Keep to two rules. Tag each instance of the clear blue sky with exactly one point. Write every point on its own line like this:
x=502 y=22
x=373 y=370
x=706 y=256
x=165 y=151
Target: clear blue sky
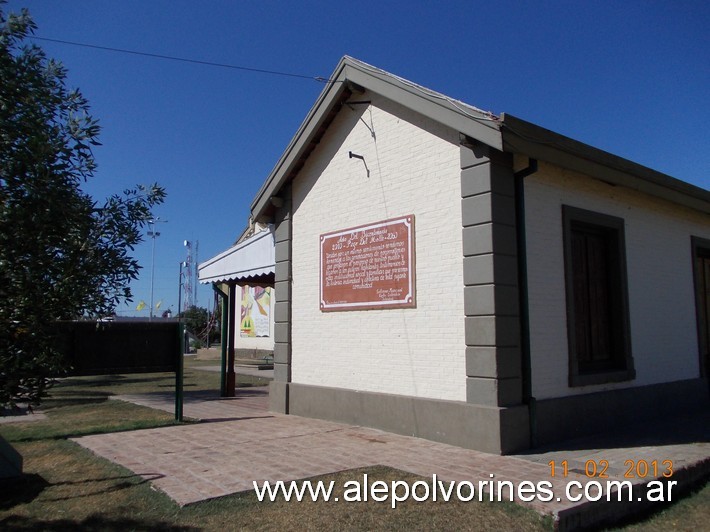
x=630 y=77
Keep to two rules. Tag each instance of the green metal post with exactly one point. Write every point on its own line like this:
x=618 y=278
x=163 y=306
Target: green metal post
x=223 y=349
x=179 y=372
x=231 y=376
x=223 y=344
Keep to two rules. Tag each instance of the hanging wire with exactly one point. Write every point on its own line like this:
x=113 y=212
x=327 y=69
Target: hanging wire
x=184 y=60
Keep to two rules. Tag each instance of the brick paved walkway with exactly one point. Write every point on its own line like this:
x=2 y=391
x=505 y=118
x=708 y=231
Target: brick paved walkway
x=239 y=441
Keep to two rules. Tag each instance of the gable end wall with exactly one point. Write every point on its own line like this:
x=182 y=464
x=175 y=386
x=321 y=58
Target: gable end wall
x=414 y=169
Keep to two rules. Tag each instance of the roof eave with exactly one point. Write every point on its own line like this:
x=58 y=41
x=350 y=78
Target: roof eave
x=507 y=133
x=484 y=128
x=327 y=100
x=520 y=136
x=351 y=75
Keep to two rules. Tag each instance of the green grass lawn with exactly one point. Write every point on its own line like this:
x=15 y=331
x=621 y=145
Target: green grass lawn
x=66 y=487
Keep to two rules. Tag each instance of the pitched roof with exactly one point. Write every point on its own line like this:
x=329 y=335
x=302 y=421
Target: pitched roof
x=505 y=133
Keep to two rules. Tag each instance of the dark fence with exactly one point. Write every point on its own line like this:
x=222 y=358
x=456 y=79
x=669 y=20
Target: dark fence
x=105 y=348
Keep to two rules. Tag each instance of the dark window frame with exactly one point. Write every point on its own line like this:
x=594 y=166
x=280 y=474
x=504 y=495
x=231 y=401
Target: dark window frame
x=621 y=368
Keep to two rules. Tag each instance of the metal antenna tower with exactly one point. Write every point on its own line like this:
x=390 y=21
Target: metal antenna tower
x=187 y=279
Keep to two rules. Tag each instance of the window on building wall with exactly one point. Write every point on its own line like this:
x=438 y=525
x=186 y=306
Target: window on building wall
x=597 y=298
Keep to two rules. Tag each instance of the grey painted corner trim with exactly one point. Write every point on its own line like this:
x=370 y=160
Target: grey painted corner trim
x=489 y=238
x=282 y=304
x=492 y=362
x=490 y=268
x=491 y=300
x=282 y=372
x=282 y=251
x=494 y=391
x=520 y=136
x=278 y=397
x=488 y=207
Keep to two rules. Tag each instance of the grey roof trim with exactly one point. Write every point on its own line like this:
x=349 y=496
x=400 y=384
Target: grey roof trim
x=520 y=136
x=327 y=99
x=507 y=133
x=457 y=115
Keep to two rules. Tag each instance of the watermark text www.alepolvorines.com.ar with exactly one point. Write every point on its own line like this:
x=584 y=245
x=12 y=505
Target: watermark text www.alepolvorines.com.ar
x=397 y=491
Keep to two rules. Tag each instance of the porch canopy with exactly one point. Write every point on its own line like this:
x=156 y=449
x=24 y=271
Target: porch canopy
x=251 y=259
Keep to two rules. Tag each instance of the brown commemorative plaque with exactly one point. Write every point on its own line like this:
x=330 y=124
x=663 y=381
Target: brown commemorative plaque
x=369 y=267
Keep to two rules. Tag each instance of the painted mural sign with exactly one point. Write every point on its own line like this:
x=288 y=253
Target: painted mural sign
x=256 y=309
x=369 y=266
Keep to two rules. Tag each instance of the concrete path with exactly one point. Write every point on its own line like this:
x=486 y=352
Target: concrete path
x=239 y=441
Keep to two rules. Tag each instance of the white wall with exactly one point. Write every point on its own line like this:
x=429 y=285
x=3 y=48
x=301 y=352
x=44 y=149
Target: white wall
x=660 y=279
x=418 y=352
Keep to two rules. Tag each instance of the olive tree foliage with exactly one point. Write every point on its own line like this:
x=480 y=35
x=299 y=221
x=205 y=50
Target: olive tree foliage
x=62 y=255
x=196 y=320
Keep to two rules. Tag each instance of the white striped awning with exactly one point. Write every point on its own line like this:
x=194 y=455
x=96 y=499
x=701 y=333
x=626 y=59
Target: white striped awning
x=250 y=258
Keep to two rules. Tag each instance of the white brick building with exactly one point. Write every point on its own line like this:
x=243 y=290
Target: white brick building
x=558 y=290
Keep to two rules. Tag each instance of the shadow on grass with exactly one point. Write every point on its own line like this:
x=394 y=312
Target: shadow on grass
x=205 y=395
x=26 y=488
x=127 y=481
x=60 y=393
x=111 y=380
x=172 y=385
x=96 y=522
x=20 y=490
x=60 y=402
x=103 y=429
